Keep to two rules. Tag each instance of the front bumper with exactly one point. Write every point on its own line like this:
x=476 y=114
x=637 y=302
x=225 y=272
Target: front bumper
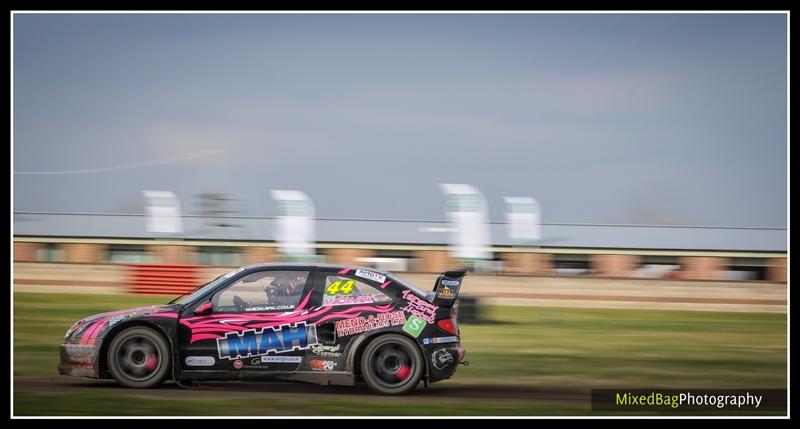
x=79 y=360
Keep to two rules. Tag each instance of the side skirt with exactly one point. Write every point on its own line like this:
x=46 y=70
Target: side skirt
x=321 y=378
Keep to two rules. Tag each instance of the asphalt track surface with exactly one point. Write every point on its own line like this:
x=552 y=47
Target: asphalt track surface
x=437 y=390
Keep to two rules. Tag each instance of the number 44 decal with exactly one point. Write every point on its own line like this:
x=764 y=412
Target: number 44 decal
x=339 y=287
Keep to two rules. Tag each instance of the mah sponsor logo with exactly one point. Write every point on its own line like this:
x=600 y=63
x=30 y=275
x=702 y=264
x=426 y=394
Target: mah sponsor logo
x=254 y=342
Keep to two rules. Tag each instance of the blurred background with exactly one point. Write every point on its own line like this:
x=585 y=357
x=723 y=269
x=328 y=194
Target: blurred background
x=594 y=172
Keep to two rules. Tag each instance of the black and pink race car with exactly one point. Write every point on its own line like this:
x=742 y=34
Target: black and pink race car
x=317 y=323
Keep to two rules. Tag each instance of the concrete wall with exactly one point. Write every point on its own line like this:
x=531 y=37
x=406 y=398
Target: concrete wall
x=614 y=265
x=85 y=252
x=593 y=292
x=776 y=271
x=347 y=256
x=174 y=254
x=703 y=268
x=69 y=278
x=257 y=255
x=432 y=261
x=423 y=261
x=527 y=263
x=26 y=251
x=504 y=290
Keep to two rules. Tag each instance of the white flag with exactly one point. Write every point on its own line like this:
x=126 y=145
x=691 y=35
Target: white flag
x=467 y=214
x=163 y=211
x=523 y=218
x=294 y=225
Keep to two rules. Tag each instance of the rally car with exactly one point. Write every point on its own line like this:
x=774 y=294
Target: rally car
x=320 y=323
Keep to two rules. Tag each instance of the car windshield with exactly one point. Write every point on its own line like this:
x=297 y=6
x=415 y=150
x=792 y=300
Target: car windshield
x=202 y=289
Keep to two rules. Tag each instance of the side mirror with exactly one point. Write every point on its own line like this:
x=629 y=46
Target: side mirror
x=204 y=308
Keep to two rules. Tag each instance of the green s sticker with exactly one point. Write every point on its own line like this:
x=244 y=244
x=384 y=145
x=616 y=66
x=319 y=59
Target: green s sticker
x=414 y=325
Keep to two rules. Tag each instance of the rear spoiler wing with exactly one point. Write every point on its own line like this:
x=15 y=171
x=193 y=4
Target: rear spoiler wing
x=447 y=286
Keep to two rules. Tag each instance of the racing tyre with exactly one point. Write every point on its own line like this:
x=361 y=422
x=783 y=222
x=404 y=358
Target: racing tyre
x=392 y=365
x=139 y=357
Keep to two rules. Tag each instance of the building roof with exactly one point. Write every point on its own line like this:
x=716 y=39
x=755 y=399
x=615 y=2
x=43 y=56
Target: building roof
x=384 y=231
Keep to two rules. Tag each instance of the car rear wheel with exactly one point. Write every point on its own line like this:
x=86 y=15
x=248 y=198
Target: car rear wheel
x=139 y=357
x=392 y=365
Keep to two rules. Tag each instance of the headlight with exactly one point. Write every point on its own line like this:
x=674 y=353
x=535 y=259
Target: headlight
x=73 y=328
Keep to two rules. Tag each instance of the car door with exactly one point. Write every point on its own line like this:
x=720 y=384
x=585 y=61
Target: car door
x=256 y=323
x=349 y=306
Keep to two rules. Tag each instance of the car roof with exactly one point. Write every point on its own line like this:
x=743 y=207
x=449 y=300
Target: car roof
x=332 y=267
x=310 y=265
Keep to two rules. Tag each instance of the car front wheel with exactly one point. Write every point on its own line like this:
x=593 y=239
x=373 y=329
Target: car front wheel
x=392 y=365
x=139 y=357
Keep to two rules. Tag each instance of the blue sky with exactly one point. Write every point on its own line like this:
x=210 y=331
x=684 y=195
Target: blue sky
x=603 y=118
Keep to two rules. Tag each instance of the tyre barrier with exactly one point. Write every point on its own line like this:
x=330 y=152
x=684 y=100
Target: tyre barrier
x=163 y=279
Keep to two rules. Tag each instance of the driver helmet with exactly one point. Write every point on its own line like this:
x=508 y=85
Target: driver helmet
x=289 y=283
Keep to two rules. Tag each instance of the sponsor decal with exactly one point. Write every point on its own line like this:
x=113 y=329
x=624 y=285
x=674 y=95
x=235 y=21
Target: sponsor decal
x=211 y=327
x=270 y=308
x=133 y=315
x=375 y=277
x=448 y=288
x=322 y=365
x=234 y=272
x=136 y=314
x=414 y=326
x=113 y=320
x=419 y=307
x=347 y=300
x=200 y=361
x=439 y=340
x=441 y=358
x=361 y=324
x=87 y=331
x=238 y=364
x=327 y=351
x=446 y=292
x=255 y=361
x=255 y=342
x=281 y=359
